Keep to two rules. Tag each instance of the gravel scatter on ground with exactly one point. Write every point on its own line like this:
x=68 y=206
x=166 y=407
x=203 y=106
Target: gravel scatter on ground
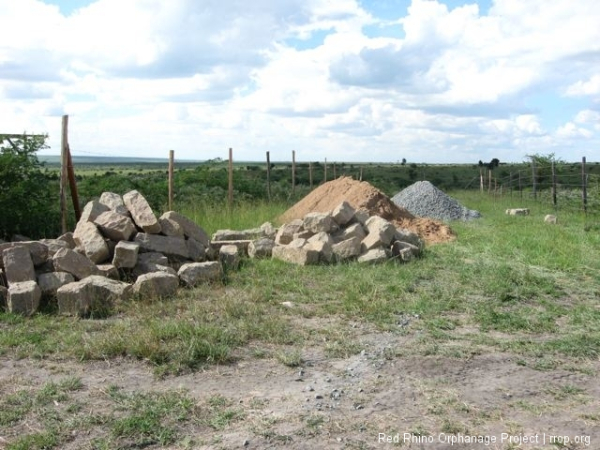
x=423 y=199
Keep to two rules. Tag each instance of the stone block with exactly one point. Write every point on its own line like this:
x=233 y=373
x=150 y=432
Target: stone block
x=94 y=295
x=229 y=256
x=68 y=238
x=361 y=216
x=92 y=210
x=297 y=243
x=167 y=245
x=261 y=248
x=88 y=237
x=108 y=271
x=114 y=202
x=353 y=230
x=295 y=255
x=317 y=222
x=190 y=229
x=156 y=284
x=374 y=256
x=343 y=213
x=53 y=245
x=323 y=248
x=404 y=251
x=37 y=250
x=303 y=234
x=115 y=226
x=350 y=248
x=550 y=218
x=50 y=282
x=518 y=212
x=3 y=298
x=24 y=298
x=385 y=229
x=18 y=265
x=192 y=274
x=410 y=237
x=76 y=264
x=141 y=212
x=197 y=251
x=169 y=227
x=286 y=232
x=126 y=254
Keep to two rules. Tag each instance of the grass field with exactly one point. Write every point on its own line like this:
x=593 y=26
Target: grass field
x=508 y=286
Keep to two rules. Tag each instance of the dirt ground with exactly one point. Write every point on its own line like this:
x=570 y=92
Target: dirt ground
x=359 y=402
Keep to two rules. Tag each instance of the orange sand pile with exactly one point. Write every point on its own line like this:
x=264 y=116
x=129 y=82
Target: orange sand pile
x=362 y=195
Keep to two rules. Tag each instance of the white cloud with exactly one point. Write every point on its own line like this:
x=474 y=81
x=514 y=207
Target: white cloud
x=590 y=87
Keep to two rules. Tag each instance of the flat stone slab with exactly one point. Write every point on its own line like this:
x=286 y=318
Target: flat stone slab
x=76 y=264
x=190 y=228
x=261 y=248
x=518 y=212
x=192 y=274
x=156 y=284
x=296 y=255
x=37 y=250
x=24 y=298
x=167 y=245
x=92 y=295
x=50 y=282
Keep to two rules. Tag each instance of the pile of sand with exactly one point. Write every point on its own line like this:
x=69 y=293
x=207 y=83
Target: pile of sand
x=362 y=195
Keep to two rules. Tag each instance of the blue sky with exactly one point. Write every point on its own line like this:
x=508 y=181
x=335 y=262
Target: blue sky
x=437 y=81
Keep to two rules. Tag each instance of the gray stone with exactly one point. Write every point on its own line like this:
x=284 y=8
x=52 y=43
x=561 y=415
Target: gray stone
x=115 y=226
x=167 y=245
x=68 y=238
x=361 y=216
x=286 y=232
x=93 y=295
x=321 y=237
x=268 y=230
x=354 y=230
x=192 y=274
x=297 y=243
x=295 y=255
x=382 y=227
x=197 y=251
x=324 y=248
x=141 y=213
x=374 y=256
x=229 y=256
x=88 y=237
x=343 y=213
x=410 y=237
x=126 y=254
x=303 y=234
x=114 y=202
x=156 y=284
x=190 y=229
x=317 y=222
x=153 y=257
x=3 y=298
x=215 y=246
x=92 y=210
x=70 y=261
x=24 y=298
x=550 y=218
x=108 y=271
x=54 y=245
x=50 y=282
x=148 y=266
x=261 y=248
x=371 y=241
x=169 y=227
x=350 y=248
x=37 y=250
x=405 y=251
x=518 y=212
x=18 y=265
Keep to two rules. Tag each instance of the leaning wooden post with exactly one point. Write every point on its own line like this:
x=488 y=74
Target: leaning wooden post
x=293 y=171
x=73 y=185
x=64 y=162
x=269 y=175
x=325 y=171
x=171 y=164
x=481 y=180
x=310 y=178
x=230 y=197
x=489 y=180
x=553 y=185
x=583 y=186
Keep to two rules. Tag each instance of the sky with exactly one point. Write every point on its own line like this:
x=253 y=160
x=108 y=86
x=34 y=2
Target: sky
x=433 y=81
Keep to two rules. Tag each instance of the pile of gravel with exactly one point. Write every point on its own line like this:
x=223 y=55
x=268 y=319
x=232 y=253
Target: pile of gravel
x=423 y=199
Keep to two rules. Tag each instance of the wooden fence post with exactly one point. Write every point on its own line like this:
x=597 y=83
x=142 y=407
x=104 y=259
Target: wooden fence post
x=520 y=186
x=533 y=179
x=553 y=185
x=481 y=180
x=269 y=176
x=583 y=186
x=293 y=171
x=230 y=197
x=310 y=178
x=334 y=174
x=171 y=164
x=325 y=171
x=73 y=185
x=64 y=162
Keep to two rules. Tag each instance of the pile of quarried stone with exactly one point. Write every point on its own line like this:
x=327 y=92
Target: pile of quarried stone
x=119 y=248
x=339 y=235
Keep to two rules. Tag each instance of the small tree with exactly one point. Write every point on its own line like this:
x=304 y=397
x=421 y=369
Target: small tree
x=27 y=202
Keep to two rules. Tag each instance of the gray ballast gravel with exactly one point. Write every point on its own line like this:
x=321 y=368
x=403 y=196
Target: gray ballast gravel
x=423 y=199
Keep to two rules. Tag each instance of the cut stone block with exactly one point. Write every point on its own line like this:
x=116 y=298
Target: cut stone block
x=261 y=248
x=24 y=298
x=76 y=264
x=68 y=238
x=550 y=218
x=215 y=246
x=156 y=284
x=295 y=255
x=37 y=250
x=371 y=241
x=190 y=229
x=88 y=237
x=115 y=226
x=108 y=271
x=141 y=212
x=343 y=213
x=286 y=232
x=167 y=245
x=321 y=237
x=297 y=243
x=404 y=251
x=317 y=222
x=92 y=210
x=304 y=234
x=518 y=212
x=193 y=274
x=126 y=254
x=361 y=216
x=169 y=227
x=374 y=256
x=350 y=248
x=410 y=237
x=382 y=227
x=354 y=230
x=50 y=282
x=197 y=251
x=324 y=249
x=229 y=256
x=93 y=295
x=18 y=265
x=114 y=202
x=54 y=245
